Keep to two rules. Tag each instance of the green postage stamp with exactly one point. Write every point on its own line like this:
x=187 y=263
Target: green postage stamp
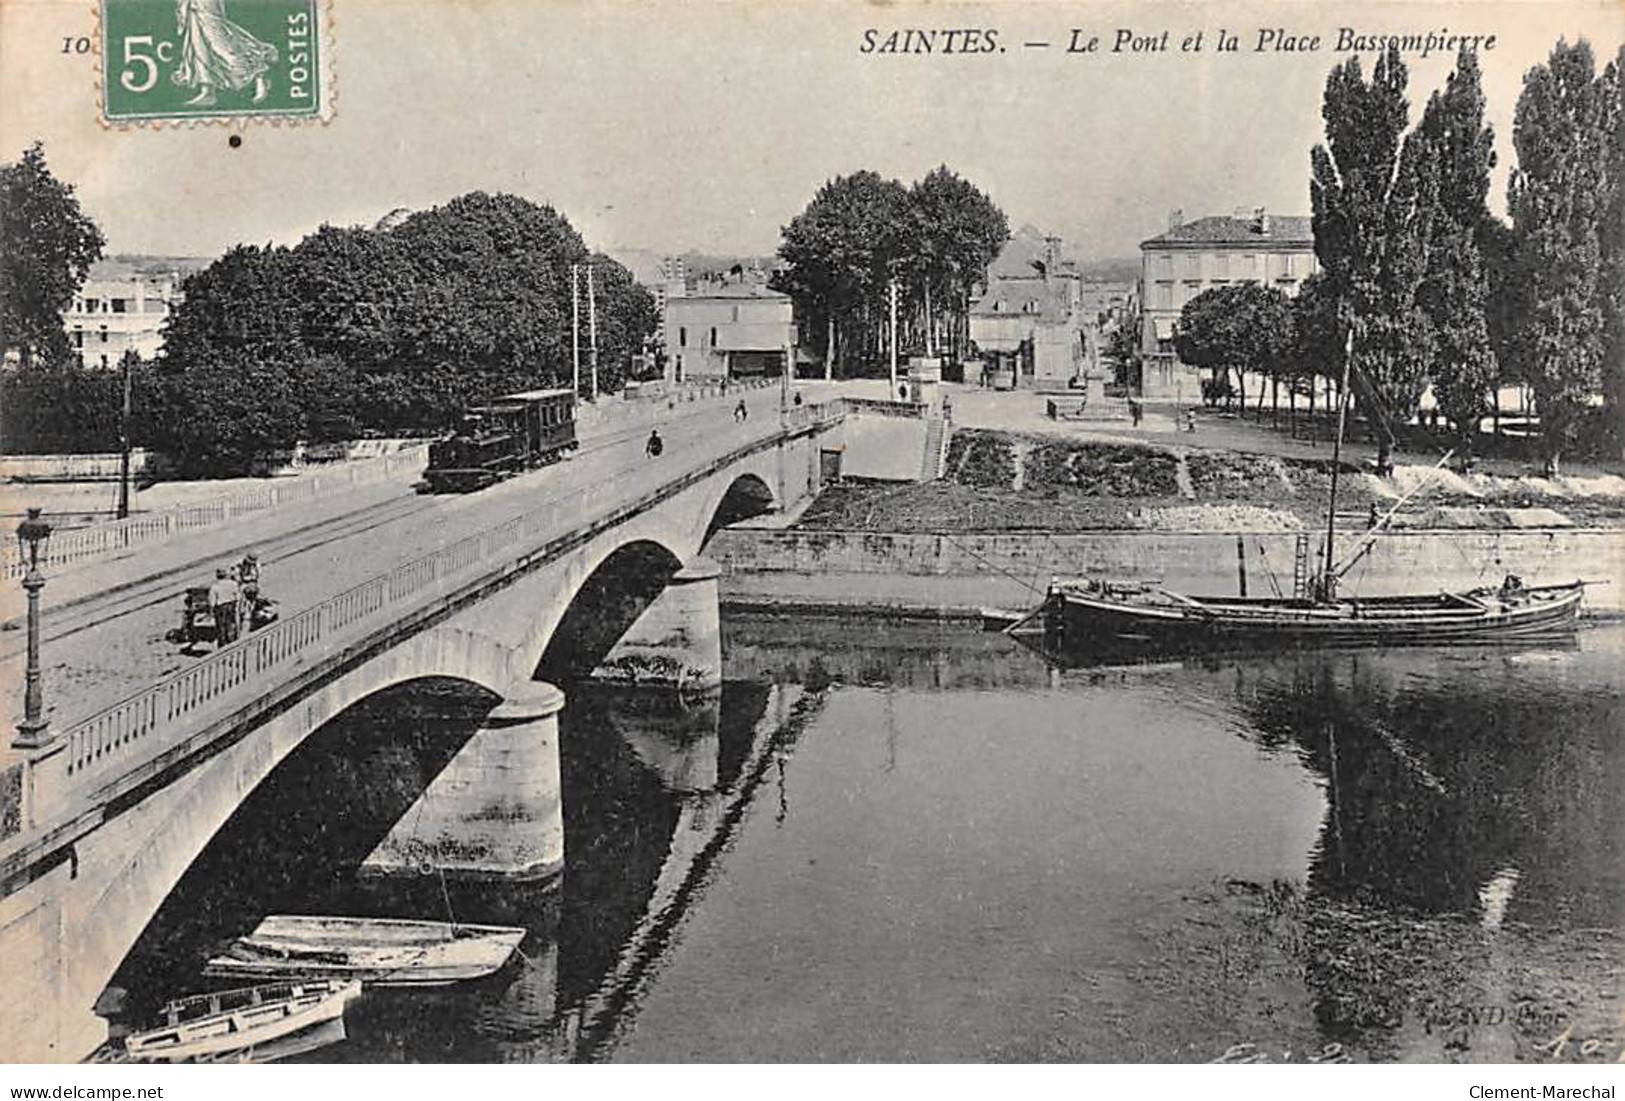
x=214 y=60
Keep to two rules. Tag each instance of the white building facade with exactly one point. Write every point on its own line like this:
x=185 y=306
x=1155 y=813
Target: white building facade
x=114 y=314
x=1191 y=257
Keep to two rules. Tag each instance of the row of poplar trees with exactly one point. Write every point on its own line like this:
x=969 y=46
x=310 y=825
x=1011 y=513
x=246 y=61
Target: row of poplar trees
x=1435 y=289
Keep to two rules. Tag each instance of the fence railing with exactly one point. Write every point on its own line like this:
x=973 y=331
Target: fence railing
x=127 y=729
x=79 y=544
x=884 y=408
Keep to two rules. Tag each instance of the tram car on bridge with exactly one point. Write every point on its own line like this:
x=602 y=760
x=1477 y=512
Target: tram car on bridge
x=514 y=433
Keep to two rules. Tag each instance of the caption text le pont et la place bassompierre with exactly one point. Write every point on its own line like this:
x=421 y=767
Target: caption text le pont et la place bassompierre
x=1128 y=41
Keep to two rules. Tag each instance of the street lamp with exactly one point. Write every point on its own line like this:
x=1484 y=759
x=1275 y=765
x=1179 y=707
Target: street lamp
x=32 y=535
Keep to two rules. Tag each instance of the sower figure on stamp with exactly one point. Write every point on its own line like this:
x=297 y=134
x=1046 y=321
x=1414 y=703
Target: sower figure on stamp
x=217 y=53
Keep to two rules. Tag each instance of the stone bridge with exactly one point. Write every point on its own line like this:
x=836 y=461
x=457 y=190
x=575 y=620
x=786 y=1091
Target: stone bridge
x=97 y=826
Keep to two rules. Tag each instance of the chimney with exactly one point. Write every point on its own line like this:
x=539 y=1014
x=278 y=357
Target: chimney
x=1176 y=218
x=1261 y=221
x=1052 y=256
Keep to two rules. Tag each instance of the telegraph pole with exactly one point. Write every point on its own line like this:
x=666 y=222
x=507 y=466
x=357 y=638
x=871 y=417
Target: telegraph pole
x=892 y=393
x=592 y=325
x=575 y=328
x=124 y=444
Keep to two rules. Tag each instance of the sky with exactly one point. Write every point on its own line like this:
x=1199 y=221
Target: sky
x=709 y=125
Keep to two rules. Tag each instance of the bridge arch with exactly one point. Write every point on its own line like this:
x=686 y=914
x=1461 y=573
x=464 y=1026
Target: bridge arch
x=140 y=864
x=617 y=584
x=744 y=495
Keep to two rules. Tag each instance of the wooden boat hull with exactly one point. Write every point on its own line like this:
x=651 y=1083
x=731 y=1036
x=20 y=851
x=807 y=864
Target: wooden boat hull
x=1099 y=617
x=231 y=1025
x=380 y=952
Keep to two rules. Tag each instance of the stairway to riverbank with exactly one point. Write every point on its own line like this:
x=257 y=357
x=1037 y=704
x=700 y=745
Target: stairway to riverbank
x=936 y=449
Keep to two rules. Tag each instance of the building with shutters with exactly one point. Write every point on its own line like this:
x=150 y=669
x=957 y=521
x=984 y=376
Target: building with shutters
x=1191 y=257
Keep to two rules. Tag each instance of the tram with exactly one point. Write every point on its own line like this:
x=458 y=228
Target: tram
x=514 y=433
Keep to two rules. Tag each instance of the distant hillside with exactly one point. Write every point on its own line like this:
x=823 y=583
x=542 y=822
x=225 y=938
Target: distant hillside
x=644 y=264
x=124 y=265
x=1116 y=269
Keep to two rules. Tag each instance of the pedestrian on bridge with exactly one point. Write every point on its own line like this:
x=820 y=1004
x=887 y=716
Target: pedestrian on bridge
x=654 y=447
x=223 y=601
x=248 y=578
x=740 y=412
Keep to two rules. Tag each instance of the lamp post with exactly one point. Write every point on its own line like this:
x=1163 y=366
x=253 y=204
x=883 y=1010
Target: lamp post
x=32 y=535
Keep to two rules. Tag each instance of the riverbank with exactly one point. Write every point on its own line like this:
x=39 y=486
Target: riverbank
x=1022 y=481
x=955 y=576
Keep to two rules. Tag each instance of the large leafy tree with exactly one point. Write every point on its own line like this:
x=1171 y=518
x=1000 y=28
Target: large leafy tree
x=47 y=244
x=394 y=329
x=1459 y=150
x=1374 y=197
x=1238 y=327
x=860 y=232
x=841 y=251
x=1557 y=196
x=956 y=233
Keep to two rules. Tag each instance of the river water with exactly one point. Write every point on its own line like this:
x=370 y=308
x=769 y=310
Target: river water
x=930 y=843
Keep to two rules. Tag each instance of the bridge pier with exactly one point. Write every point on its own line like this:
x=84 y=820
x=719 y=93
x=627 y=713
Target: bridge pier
x=677 y=641
x=496 y=811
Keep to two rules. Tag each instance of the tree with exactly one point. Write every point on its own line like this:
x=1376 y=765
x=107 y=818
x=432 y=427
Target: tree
x=1611 y=283
x=1557 y=199
x=1374 y=195
x=47 y=245
x=841 y=252
x=956 y=233
x=395 y=329
x=859 y=232
x=1237 y=327
x=1459 y=149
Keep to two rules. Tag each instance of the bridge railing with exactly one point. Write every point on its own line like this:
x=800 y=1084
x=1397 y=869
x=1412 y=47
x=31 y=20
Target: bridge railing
x=96 y=540
x=117 y=737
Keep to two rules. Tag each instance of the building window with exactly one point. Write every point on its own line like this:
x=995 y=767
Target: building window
x=78 y=337
x=1221 y=267
x=104 y=334
x=1192 y=266
x=104 y=362
x=1165 y=266
x=682 y=340
x=713 y=336
x=1165 y=296
x=90 y=305
x=120 y=305
x=1193 y=287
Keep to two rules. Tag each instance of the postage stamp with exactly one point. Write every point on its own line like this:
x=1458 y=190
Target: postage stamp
x=213 y=60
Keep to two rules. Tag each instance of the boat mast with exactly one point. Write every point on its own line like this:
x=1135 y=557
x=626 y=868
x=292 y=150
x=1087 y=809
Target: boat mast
x=1328 y=579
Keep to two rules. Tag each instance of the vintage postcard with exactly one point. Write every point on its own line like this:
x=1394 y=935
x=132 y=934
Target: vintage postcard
x=818 y=532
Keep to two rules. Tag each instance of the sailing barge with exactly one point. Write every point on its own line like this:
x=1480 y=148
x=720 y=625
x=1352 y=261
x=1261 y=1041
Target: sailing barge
x=1085 y=613
x=1094 y=613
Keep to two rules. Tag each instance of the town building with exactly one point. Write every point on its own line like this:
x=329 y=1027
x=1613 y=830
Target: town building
x=726 y=329
x=1028 y=324
x=120 y=308
x=1191 y=257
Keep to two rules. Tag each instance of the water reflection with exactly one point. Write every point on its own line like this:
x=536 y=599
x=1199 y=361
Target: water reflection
x=965 y=798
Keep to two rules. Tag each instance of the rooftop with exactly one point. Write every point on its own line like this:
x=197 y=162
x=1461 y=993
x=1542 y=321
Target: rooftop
x=732 y=290
x=1277 y=229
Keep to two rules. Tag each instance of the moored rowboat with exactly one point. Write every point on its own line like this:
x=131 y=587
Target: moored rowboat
x=380 y=951
x=220 y=1025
